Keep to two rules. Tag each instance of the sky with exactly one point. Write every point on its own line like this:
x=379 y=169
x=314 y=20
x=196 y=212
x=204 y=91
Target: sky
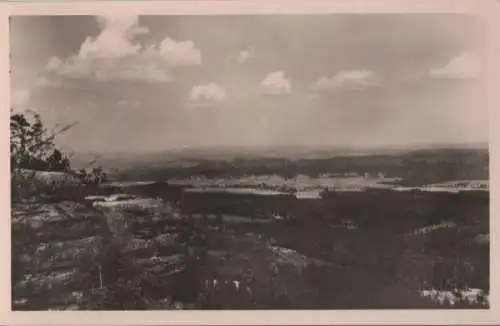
x=150 y=83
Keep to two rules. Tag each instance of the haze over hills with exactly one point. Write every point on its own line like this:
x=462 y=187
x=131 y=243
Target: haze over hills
x=184 y=155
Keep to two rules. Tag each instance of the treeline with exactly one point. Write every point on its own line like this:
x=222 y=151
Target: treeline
x=416 y=168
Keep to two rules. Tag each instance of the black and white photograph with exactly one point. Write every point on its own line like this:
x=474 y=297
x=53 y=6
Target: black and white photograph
x=335 y=161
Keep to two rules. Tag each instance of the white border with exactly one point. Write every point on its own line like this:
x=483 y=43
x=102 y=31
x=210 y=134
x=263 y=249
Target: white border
x=489 y=10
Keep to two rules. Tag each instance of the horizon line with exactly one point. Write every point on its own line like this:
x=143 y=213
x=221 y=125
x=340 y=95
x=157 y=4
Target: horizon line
x=416 y=146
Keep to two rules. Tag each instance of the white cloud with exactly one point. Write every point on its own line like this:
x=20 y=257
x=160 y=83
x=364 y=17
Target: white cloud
x=208 y=93
x=45 y=82
x=116 y=39
x=243 y=56
x=276 y=83
x=346 y=79
x=54 y=64
x=176 y=54
x=116 y=54
x=20 y=99
x=464 y=66
x=129 y=68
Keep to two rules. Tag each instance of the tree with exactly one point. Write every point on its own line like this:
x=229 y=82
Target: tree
x=98 y=175
x=32 y=146
x=56 y=162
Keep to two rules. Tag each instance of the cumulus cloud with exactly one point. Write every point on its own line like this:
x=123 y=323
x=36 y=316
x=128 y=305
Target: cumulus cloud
x=276 y=83
x=464 y=66
x=346 y=79
x=208 y=93
x=176 y=54
x=116 y=39
x=128 y=68
x=116 y=54
x=20 y=99
x=243 y=56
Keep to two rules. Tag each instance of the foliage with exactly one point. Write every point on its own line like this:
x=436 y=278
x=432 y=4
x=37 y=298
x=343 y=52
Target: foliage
x=32 y=149
x=95 y=175
x=32 y=145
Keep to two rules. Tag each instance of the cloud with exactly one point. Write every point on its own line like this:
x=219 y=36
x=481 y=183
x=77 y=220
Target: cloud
x=464 y=66
x=116 y=39
x=45 y=82
x=115 y=54
x=276 y=83
x=243 y=56
x=54 y=64
x=20 y=99
x=208 y=93
x=134 y=68
x=129 y=103
x=176 y=54
x=346 y=79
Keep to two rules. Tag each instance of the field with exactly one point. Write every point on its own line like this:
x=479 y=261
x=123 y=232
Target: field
x=222 y=240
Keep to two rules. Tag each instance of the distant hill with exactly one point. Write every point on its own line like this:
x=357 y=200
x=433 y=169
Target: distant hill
x=416 y=167
x=184 y=157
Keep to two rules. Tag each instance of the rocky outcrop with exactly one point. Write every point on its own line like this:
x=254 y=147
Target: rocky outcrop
x=143 y=254
x=65 y=253
x=48 y=177
x=54 y=245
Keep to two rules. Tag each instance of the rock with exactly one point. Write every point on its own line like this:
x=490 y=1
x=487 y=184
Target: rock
x=482 y=239
x=117 y=223
x=46 y=178
x=164 y=260
x=36 y=283
x=143 y=220
x=166 y=239
x=158 y=218
x=136 y=204
x=63 y=241
x=19 y=303
x=72 y=307
x=69 y=250
x=36 y=216
x=51 y=256
x=135 y=244
x=67 y=301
